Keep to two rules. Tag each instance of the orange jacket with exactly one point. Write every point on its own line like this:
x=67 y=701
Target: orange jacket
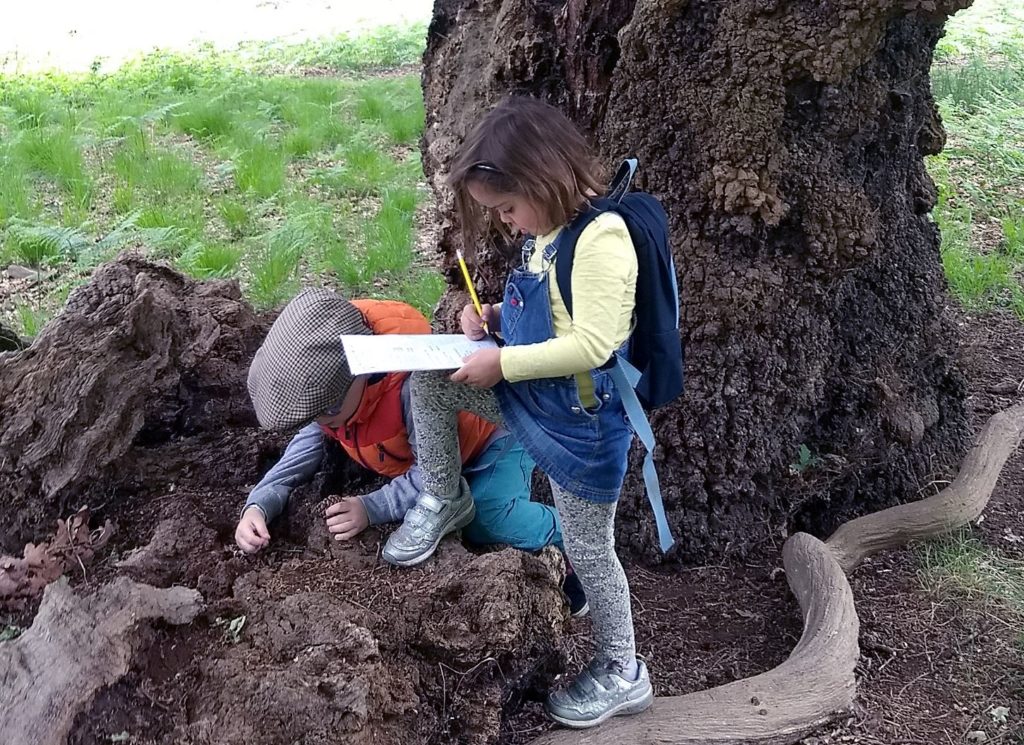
x=375 y=435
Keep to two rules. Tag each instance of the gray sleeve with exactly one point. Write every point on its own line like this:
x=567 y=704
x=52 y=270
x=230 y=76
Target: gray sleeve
x=298 y=465
x=390 y=503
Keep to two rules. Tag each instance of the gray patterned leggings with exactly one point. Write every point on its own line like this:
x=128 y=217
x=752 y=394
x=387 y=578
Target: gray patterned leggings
x=587 y=527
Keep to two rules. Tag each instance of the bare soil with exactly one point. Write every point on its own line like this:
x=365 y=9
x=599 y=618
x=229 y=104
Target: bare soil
x=316 y=642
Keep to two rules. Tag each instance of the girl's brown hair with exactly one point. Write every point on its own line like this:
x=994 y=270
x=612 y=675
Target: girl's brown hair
x=527 y=147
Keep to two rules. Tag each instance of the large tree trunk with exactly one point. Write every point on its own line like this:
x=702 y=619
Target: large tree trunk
x=786 y=141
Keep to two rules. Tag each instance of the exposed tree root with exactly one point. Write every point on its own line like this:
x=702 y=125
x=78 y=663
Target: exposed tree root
x=817 y=681
x=75 y=646
x=956 y=505
x=775 y=707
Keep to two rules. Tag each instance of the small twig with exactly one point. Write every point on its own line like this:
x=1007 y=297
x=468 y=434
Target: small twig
x=71 y=545
x=904 y=688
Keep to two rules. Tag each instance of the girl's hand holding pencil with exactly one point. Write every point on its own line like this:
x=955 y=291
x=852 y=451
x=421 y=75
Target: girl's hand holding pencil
x=481 y=369
x=476 y=325
x=486 y=320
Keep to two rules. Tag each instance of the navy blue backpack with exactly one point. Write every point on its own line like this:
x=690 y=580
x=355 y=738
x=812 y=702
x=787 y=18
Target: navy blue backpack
x=653 y=373
x=655 y=347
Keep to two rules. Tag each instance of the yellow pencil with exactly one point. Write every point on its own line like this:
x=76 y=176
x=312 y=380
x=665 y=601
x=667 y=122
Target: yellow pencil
x=472 y=290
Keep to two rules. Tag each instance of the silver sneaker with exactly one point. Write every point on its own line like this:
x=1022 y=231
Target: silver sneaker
x=598 y=694
x=425 y=524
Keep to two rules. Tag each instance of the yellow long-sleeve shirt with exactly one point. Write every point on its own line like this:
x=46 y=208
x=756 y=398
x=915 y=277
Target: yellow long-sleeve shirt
x=603 y=297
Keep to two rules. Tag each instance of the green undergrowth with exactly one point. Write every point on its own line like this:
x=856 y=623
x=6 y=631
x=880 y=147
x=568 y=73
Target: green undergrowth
x=277 y=164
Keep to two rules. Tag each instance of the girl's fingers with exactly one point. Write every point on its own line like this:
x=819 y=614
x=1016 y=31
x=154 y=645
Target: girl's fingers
x=340 y=526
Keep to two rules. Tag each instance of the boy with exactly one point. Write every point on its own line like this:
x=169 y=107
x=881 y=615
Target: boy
x=300 y=376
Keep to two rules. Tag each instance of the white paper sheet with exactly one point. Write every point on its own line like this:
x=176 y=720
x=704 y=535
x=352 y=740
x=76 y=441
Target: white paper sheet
x=395 y=352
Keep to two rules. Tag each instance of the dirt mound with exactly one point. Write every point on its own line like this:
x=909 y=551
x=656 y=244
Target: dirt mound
x=139 y=355
x=133 y=402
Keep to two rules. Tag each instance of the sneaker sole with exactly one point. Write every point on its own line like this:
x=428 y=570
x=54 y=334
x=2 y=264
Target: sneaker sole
x=581 y=612
x=624 y=709
x=459 y=525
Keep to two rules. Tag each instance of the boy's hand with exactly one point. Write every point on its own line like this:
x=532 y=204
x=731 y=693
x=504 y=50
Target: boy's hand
x=473 y=323
x=251 y=535
x=347 y=519
x=481 y=369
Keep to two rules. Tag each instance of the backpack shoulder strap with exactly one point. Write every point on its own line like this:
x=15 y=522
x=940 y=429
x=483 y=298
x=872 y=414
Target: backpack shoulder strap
x=625 y=377
x=623 y=179
x=566 y=248
x=617 y=189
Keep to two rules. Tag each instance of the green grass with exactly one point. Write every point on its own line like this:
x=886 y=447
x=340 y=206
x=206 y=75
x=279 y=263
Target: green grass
x=975 y=83
x=382 y=48
x=54 y=153
x=211 y=259
x=1013 y=235
x=394 y=106
x=15 y=193
x=964 y=565
x=228 y=164
x=989 y=27
x=364 y=168
x=389 y=234
x=422 y=290
x=237 y=217
x=978 y=82
x=204 y=118
x=30 y=320
x=178 y=225
x=163 y=175
x=259 y=170
x=274 y=267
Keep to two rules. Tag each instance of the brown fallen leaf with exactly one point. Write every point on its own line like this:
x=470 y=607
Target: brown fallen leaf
x=72 y=545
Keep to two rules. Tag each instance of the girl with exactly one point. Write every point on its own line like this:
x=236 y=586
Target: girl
x=526 y=169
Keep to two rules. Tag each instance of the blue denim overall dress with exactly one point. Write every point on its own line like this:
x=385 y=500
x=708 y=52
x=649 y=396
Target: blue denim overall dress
x=584 y=451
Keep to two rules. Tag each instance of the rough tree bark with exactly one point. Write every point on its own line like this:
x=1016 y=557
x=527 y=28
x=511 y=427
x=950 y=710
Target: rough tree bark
x=786 y=141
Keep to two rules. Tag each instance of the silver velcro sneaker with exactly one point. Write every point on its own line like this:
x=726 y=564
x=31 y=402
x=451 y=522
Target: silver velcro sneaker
x=425 y=524
x=598 y=694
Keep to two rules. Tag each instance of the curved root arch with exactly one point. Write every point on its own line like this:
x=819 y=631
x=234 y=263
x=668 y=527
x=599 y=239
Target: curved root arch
x=817 y=681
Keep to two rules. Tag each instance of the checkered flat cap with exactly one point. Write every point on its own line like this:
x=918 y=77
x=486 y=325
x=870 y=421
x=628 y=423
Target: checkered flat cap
x=301 y=370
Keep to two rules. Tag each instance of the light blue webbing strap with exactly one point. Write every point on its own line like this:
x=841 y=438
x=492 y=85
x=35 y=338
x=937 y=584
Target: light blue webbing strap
x=625 y=377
